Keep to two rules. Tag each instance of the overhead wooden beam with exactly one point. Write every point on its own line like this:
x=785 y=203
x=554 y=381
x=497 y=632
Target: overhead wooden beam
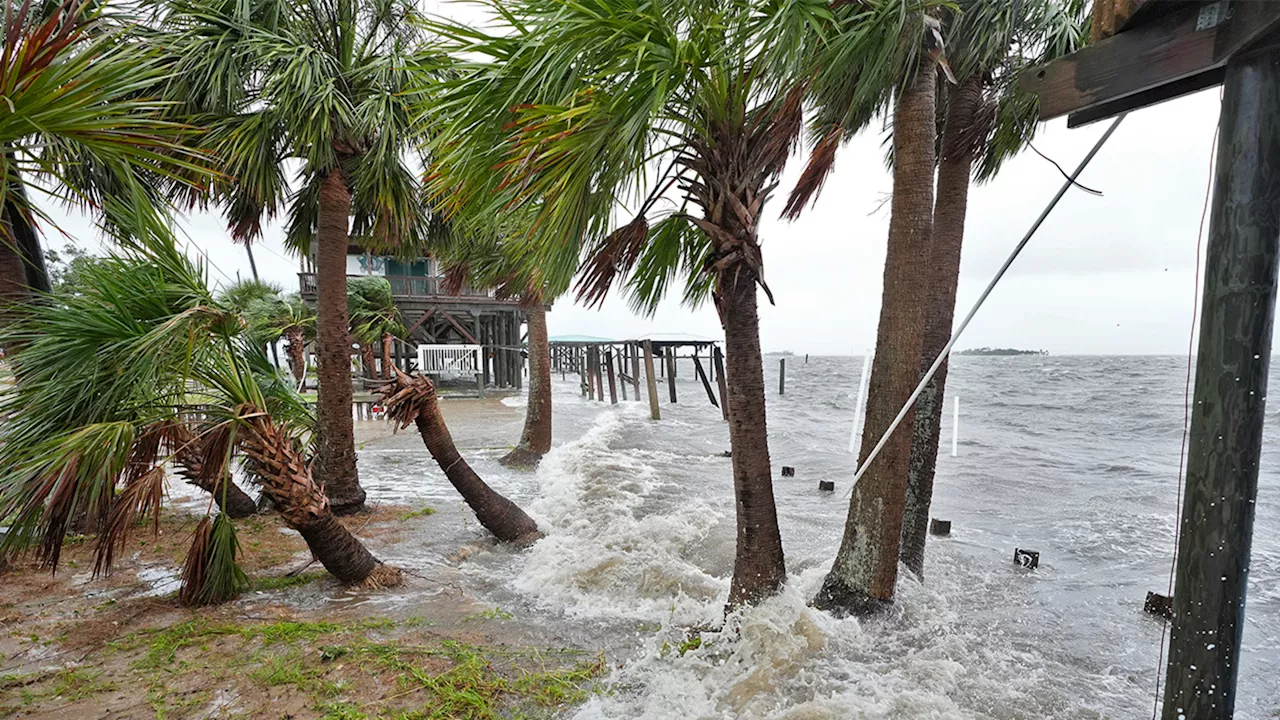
x=409 y=333
x=1160 y=58
x=458 y=326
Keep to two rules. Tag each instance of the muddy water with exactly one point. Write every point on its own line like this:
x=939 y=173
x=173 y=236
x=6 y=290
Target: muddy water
x=1073 y=457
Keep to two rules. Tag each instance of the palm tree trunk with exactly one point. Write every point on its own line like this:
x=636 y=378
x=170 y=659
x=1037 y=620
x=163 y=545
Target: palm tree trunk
x=386 y=355
x=285 y=477
x=759 y=568
x=367 y=356
x=535 y=440
x=336 y=451
x=954 y=168
x=413 y=399
x=190 y=457
x=296 y=349
x=22 y=268
x=865 y=571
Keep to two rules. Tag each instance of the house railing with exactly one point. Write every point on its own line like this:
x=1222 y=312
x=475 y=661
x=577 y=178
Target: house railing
x=403 y=286
x=454 y=360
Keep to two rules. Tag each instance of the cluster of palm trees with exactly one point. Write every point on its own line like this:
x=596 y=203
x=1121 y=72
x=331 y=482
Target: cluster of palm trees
x=627 y=145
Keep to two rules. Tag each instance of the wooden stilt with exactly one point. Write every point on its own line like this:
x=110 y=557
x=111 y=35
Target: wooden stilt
x=599 y=374
x=782 y=376
x=635 y=370
x=724 y=394
x=622 y=367
x=613 y=383
x=651 y=381
x=671 y=374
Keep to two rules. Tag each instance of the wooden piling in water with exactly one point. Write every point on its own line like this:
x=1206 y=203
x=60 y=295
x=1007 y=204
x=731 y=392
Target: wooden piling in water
x=782 y=376
x=635 y=370
x=651 y=381
x=671 y=373
x=702 y=375
x=613 y=384
x=724 y=394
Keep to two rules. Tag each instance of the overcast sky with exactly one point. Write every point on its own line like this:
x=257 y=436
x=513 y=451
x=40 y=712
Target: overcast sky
x=1105 y=275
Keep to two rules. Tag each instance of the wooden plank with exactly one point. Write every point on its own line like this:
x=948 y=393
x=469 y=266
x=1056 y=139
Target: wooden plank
x=1162 y=57
x=635 y=370
x=702 y=375
x=409 y=333
x=671 y=374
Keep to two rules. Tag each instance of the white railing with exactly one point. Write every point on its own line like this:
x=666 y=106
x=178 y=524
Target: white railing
x=455 y=360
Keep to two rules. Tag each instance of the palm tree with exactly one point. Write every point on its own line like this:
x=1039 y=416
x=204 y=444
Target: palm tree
x=321 y=82
x=412 y=399
x=849 y=92
x=108 y=380
x=987 y=120
x=586 y=105
x=290 y=318
x=82 y=125
x=374 y=315
x=488 y=261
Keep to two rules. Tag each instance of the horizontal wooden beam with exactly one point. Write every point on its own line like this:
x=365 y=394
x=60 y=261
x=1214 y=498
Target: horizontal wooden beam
x=1162 y=57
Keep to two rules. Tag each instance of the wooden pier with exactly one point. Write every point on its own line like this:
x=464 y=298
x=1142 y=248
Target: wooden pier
x=605 y=364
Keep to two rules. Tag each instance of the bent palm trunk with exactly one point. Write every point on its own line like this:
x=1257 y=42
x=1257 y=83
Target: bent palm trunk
x=285 y=477
x=190 y=457
x=336 y=452
x=954 y=168
x=412 y=399
x=386 y=355
x=865 y=571
x=370 y=364
x=535 y=440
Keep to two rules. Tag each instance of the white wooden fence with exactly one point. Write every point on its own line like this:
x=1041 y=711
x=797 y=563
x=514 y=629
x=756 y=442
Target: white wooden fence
x=454 y=360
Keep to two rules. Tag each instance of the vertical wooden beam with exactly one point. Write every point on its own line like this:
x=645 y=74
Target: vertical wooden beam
x=613 y=383
x=670 y=355
x=622 y=371
x=600 y=373
x=584 y=381
x=782 y=376
x=724 y=391
x=651 y=381
x=1230 y=397
x=591 y=372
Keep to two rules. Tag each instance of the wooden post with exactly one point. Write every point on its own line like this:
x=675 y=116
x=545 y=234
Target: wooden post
x=697 y=366
x=635 y=370
x=1230 y=397
x=724 y=394
x=651 y=381
x=599 y=374
x=671 y=373
x=590 y=363
x=622 y=371
x=782 y=376
x=613 y=383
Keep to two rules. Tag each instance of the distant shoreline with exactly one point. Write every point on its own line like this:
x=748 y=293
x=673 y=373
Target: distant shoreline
x=1000 y=352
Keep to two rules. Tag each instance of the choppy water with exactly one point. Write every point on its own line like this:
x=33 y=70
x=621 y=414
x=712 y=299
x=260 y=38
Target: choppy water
x=1074 y=457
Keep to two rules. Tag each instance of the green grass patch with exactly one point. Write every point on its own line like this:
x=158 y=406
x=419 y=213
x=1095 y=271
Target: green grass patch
x=424 y=512
x=490 y=614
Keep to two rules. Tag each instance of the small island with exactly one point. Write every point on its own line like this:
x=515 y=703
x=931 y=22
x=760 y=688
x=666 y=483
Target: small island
x=1000 y=352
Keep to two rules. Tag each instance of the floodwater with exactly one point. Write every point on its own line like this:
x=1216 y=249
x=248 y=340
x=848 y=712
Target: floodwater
x=1075 y=457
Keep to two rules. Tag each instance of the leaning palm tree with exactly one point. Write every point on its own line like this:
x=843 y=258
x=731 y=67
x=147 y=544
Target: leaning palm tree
x=321 y=82
x=988 y=119
x=82 y=125
x=108 y=381
x=849 y=91
x=683 y=112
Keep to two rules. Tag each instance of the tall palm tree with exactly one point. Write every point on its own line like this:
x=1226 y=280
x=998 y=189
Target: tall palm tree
x=321 y=82
x=988 y=119
x=849 y=91
x=589 y=108
x=82 y=126
x=108 y=381
x=491 y=261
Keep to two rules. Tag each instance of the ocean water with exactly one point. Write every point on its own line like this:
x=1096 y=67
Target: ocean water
x=1075 y=457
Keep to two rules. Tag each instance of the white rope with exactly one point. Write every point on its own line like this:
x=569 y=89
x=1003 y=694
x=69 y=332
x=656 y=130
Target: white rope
x=937 y=363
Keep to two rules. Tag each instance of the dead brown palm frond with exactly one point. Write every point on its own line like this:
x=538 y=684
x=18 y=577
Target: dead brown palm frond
x=196 y=564
x=615 y=256
x=455 y=279
x=821 y=160
x=142 y=495
x=405 y=397
x=972 y=138
x=209 y=573
x=781 y=127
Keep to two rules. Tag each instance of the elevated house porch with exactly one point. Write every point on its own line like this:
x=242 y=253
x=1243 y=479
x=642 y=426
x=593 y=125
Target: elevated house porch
x=431 y=317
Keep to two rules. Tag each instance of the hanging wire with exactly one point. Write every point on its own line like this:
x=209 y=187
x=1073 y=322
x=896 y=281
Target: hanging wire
x=906 y=408
x=1186 y=410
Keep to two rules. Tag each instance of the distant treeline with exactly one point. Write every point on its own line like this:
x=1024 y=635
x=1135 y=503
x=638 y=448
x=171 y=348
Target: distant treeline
x=1001 y=351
